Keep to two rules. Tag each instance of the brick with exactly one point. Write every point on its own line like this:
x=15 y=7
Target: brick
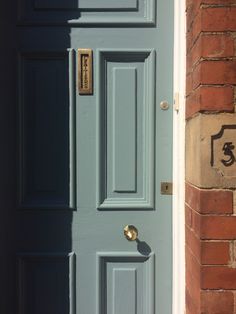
x=189 y=66
x=193 y=104
x=192 y=196
x=218 y=277
x=209 y=201
x=197 y=77
x=217 y=45
x=210 y=19
x=193 y=243
x=192 y=304
x=192 y=266
x=207 y=252
x=217 y=19
x=192 y=8
x=217 y=302
x=215 y=99
x=188 y=216
x=215 y=72
x=194 y=54
x=227 y=2
x=189 y=84
x=216 y=202
x=192 y=275
x=196 y=223
x=215 y=253
x=211 y=46
x=189 y=41
x=218 y=227
x=195 y=29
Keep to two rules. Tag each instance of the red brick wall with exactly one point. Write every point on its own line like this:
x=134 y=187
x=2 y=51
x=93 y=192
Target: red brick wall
x=210 y=214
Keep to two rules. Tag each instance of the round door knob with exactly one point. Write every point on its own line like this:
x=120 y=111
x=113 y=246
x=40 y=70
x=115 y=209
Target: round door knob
x=131 y=232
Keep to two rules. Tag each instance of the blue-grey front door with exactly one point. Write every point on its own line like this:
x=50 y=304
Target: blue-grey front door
x=90 y=164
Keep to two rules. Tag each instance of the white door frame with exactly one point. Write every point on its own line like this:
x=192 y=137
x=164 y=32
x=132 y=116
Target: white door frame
x=179 y=158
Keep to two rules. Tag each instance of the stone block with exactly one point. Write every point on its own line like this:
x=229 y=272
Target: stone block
x=211 y=150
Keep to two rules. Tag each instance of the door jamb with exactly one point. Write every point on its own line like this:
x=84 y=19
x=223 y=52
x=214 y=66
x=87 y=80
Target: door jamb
x=178 y=290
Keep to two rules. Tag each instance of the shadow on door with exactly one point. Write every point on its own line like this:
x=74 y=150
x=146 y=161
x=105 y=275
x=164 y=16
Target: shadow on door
x=37 y=184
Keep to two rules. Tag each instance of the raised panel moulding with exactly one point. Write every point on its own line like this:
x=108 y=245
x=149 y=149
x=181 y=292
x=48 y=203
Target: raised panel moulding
x=125 y=283
x=79 y=12
x=46 y=283
x=46 y=130
x=125 y=136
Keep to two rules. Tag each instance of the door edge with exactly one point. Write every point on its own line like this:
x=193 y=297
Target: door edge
x=178 y=290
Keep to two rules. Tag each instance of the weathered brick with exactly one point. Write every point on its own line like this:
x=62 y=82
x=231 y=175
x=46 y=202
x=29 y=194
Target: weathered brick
x=209 y=19
x=192 y=105
x=193 y=243
x=218 y=19
x=188 y=216
x=195 y=30
x=211 y=46
x=217 y=302
x=189 y=84
x=192 y=275
x=218 y=227
x=216 y=98
x=192 y=8
x=221 y=2
x=196 y=223
x=218 y=277
x=217 y=45
x=215 y=253
x=209 y=201
x=210 y=98
x=192 y=265
x=192 y=304
x=215 y=72
x=193 y=220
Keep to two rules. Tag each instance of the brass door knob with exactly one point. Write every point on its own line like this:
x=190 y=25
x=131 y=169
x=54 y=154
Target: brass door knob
x=131 y=232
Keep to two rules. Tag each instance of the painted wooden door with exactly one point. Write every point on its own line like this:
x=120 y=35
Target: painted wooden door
x=88 y=165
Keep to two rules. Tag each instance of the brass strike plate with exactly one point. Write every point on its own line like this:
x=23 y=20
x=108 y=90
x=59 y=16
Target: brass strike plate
x=166 y=188
x=85 y=67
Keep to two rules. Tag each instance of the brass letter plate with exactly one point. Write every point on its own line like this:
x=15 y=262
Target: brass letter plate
x=166 y=188
x=85 y=64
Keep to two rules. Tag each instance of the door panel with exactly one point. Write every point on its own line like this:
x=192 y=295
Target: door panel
x=46 y=173
x=85 y=4
x=81 y=12
x=128 y=277
x=88 y=165
x=46 y=283
x=126 y=154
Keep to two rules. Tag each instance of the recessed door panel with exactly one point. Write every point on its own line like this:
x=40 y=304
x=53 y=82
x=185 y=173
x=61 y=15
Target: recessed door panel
x=46 y=283
x=86 y=4
x=126 y=130
x=125 y=283
x=45 y=142
x=79 y=12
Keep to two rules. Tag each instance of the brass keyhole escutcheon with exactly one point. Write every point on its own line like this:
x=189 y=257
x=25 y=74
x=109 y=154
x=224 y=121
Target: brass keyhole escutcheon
x=131 y=232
